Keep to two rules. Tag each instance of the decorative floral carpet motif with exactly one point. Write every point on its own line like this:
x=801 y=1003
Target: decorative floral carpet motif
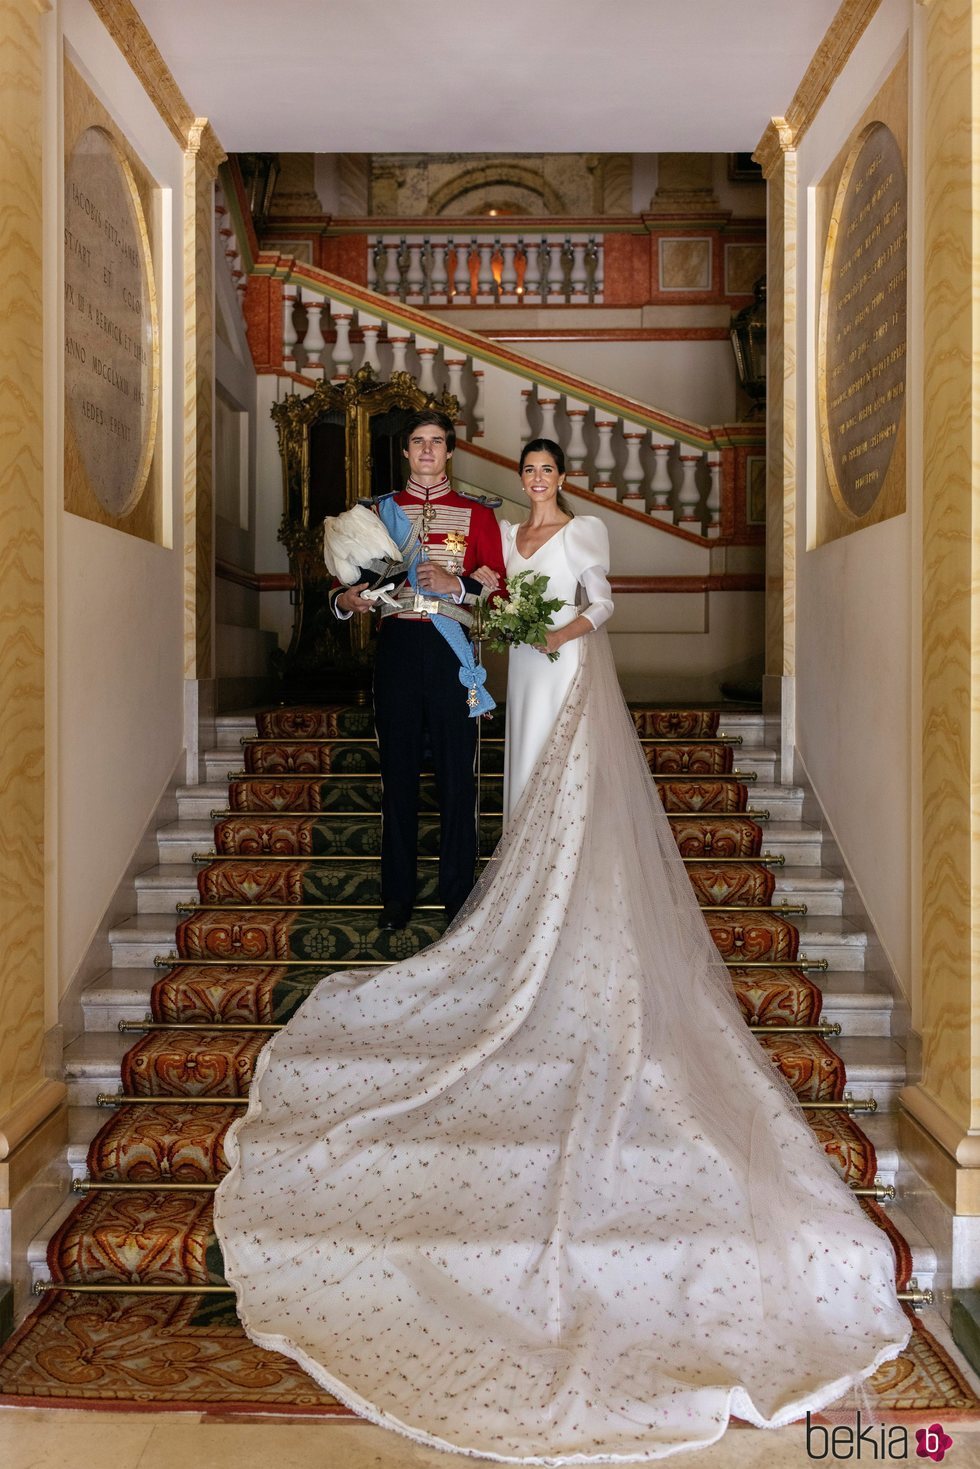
x=188 y=1351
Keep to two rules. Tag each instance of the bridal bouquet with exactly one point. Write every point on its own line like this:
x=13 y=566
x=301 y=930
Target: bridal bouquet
x=524 y=617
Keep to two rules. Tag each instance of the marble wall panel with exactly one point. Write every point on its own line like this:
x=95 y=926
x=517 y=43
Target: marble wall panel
x=781 y=418
x=21 y=561
x=744 y=264
x=198 y=409
x=685 y=265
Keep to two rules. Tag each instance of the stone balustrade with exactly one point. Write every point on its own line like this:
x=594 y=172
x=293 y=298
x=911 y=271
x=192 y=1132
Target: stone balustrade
x=607 y=453
x=486 y=270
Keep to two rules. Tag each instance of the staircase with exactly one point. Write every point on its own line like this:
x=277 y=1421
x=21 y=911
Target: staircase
x=855 y=998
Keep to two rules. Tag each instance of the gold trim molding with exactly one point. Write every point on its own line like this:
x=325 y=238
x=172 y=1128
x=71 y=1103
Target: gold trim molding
x=777 y=139
x=202 y=140
x=125 y=25
x=826 y=65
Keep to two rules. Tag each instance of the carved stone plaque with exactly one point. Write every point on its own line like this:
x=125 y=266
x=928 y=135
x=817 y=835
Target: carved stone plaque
x=111 y=341
x=863 y=321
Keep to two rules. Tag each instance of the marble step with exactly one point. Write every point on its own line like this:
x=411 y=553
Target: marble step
x=222 y=761
x=861 y=1003
x=230 y=729
x=798 y=842
x=875 y=1066
x=159 y=889
x=784 y=803
x=139 y=939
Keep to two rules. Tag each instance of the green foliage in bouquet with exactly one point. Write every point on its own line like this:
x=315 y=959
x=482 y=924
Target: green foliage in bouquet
x=524 y=617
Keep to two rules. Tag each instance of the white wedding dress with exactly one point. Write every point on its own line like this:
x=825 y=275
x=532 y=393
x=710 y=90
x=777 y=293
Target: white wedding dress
x=535 y=1193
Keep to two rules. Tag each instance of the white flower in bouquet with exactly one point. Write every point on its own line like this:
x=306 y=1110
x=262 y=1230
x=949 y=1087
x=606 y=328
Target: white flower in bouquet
x=526 y=615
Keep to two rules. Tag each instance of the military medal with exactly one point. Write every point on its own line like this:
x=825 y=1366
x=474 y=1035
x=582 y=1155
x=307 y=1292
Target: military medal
x=456 y=547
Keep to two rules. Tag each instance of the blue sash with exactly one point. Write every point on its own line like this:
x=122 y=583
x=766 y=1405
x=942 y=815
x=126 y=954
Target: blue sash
x=471 y=675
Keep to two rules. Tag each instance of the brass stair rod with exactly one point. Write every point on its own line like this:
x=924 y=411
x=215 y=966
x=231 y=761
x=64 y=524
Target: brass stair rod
x=130 y=1027
x=846 y=1104
x=126 y=1099
x=219 y=906
x=169 y=961
x=245 y=776
x=882 y=1193
x=162 y=1186
x=767 y=859
x=226 y=813
x=43 y=1287
x=824 y=1027
x=719 y=739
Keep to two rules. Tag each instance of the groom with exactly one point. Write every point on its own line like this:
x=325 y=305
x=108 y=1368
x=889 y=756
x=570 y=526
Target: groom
x=419 y=701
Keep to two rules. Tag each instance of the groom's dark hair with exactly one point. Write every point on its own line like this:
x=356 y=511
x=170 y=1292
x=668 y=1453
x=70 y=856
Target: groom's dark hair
x=430 y=415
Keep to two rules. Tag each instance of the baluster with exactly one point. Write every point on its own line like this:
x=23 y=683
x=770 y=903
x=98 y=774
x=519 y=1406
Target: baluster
x=313 y=343
x=415 y=277
x=404 y=258
x=536 y=269
x=661 y=487
x=566 y=258
x=427 y=364
x=461 y=272
x=520 y=266
x=478 y=403
x=454 y=368
x=485 y=282
x=371 y=329
x=439 y=273
x=549 y=407
x=508 y=272
x=605 y=461
x=633 y=471
x=579 y=280
x=689 y=494
x=713 y=528
x=526 y=430
x=289 y=336
x=379 y=259
x=392 y=270
x=576 y=451
x=343 y=352
x=556 y=271
x=399 y=348
x=593 y=270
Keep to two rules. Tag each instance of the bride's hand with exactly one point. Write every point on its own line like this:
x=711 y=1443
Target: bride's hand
x=553 y=641
x=487 y=577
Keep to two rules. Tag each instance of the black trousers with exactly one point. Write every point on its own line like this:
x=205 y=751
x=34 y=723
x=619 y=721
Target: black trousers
x=420 y=705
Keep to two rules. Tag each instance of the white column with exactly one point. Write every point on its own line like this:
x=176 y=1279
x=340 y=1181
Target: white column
x=439 y=273
x=579 y=279
x=508 y=273
x=461 y=271
x=633 y=470
x=371 y=328
x=289 y=337
x=605 y=461
x=526 y=396
x=454 y=369
x=313 y=343
x=427 y=352
x=549 y=407
x=343 y=353
x=689 y=494
x=399 y=347
x=713 y=528
x=576 y=451
x=485 y=282
x=392 y=271
x=478 y=403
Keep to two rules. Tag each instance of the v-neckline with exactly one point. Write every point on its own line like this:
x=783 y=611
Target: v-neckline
x=548 y=542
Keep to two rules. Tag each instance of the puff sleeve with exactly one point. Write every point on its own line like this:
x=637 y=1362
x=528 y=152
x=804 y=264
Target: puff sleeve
x=587 y=549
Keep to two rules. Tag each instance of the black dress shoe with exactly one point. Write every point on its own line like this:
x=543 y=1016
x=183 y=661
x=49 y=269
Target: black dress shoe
x=394 y=916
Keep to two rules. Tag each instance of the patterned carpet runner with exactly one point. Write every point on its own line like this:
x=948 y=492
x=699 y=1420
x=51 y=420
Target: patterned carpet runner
x=293 y=892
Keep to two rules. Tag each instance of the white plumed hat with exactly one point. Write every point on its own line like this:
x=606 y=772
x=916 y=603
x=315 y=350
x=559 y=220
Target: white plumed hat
x=355 y=541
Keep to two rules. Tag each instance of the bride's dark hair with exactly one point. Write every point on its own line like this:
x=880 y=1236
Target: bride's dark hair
x=548 y=446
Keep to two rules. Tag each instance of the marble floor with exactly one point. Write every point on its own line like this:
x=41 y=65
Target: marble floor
x=44 y=1438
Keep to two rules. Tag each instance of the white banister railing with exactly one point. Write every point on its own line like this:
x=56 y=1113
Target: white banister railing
x=484 y=269
x=608 y=454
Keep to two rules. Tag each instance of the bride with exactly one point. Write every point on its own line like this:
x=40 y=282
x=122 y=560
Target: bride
x=535 y=1193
